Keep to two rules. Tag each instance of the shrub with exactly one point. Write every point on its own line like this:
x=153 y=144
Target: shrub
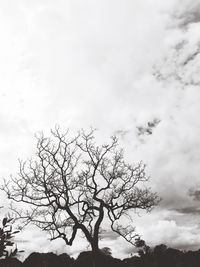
x=6 y=239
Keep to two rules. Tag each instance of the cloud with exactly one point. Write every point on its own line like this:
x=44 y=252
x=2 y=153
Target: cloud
x=187 y=13
x=172 y=228
x=195 y=193
x=147 y=130
x=191 y=210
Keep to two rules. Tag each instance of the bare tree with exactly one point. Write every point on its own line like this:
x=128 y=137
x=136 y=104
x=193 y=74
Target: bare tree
x=74 y=184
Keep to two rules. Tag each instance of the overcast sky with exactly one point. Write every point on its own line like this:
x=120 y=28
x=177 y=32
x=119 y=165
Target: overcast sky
x=115 y=65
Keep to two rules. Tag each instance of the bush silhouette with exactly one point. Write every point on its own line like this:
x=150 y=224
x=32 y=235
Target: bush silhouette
x=85 y=259
x=36 y=259
x=10 y=262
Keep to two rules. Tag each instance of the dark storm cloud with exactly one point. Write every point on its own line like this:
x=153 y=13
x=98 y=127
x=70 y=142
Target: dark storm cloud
x=195 y=194
x=193 y=210
x=189 y=12
x=191 y=206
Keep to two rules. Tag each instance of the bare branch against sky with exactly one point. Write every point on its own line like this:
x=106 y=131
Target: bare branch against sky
x=74 y=184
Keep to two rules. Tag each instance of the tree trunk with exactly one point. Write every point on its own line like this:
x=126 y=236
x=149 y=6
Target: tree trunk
x=95 y=253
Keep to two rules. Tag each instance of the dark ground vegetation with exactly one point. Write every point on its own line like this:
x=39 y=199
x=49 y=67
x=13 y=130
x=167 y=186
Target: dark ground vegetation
x=159 y=256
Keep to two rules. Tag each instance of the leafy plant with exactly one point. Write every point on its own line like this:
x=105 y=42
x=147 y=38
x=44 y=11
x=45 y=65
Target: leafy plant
x=6 y=239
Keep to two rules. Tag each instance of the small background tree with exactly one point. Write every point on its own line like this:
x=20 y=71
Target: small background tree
x=74 y=184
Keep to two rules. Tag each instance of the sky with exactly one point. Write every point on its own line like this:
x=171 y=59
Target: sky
x=126 y=67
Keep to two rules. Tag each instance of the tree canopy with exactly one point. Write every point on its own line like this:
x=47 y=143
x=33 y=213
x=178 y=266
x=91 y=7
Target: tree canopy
x=74 y=184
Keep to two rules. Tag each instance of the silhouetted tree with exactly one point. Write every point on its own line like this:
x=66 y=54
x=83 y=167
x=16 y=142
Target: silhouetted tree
x=144 y=249
x=73 y=184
